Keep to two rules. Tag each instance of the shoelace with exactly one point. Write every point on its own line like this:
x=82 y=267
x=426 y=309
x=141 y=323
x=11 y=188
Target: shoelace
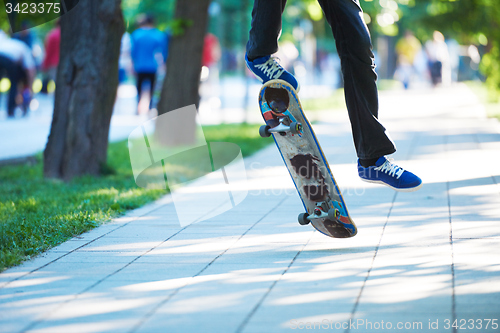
x=271 y=68
x=390 y=169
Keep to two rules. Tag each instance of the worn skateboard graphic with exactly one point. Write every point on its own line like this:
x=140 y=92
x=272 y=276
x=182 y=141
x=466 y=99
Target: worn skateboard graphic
x=302 y=154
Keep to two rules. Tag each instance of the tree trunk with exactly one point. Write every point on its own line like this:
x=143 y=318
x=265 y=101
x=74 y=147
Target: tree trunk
x=181 y=86
x=86 y=86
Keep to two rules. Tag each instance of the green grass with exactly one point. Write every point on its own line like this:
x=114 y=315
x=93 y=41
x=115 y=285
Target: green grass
x=37 y=214
x=336 y=101
x=490 y=100
x=389 y=84
x=245 y=136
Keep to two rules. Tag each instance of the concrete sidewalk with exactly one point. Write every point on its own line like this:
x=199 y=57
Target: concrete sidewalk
x=419 y=262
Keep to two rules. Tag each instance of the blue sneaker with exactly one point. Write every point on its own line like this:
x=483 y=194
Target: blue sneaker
x=267 y=68
x=386 y=173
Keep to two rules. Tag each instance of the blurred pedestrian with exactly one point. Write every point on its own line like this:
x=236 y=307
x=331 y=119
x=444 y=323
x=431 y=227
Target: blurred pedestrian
x=17 y=63
x=211 y=51
x=439 y=59
x=454 y=51
x=51 y=60
x=407 y=49
x=148 y=48
x=358 y=67
x=125 y=61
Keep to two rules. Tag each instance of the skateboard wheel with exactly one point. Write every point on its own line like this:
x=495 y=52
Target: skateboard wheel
x=295 y=127
x=333 y=214
x=303 y=219
x=264 y=131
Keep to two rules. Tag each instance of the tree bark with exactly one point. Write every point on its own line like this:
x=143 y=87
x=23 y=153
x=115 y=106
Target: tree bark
x=86 y=86
x=181 y=86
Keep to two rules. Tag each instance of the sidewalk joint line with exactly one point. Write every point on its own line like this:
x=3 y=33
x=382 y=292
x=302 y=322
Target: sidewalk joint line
x=75 y=296
x=450 y=221
x=453 y=295
x=64 y=255
x=354 y=309
x=271 y=287
x=133 y=219
x=176 y=291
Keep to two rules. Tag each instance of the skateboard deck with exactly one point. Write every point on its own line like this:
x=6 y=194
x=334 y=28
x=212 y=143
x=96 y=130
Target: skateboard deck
x=294 y=136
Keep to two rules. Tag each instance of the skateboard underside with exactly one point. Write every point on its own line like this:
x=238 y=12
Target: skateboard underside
x=306 y=163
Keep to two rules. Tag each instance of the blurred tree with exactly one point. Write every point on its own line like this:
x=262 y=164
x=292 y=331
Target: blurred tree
x=182 y=80
x=87 y=82
x=467 y=21
x=161 y=10
x=4 y=19
x=474 y=22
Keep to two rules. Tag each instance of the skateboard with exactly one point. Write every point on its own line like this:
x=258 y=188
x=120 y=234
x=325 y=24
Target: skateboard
x=285 y=120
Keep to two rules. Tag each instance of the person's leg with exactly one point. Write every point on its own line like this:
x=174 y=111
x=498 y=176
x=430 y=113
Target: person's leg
x=263 y=42
x=358 y=67
x=9 y=70
x=3 y=73
x=139 y=82
x=265 y=28
x=15 y=74
x=152 y=80
x=25 y=91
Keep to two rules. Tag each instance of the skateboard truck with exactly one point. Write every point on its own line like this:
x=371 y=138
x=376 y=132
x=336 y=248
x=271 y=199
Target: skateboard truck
x=266 y=130
x=318 y=213
x=324 y=207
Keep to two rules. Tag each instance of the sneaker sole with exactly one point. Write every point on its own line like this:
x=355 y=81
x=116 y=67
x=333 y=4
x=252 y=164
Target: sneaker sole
x=296 y=90
x=409 y=189
x=262 y=81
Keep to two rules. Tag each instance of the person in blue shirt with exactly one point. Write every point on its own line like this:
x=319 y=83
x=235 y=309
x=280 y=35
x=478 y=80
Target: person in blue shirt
x=148 y=46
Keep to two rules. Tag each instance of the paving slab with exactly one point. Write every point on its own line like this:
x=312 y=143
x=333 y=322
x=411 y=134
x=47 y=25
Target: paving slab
x=422 y=262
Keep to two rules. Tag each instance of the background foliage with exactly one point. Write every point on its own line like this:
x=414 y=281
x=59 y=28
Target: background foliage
x=474 y=22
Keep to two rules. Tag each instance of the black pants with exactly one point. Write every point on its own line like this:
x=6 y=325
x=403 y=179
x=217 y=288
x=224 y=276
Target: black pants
x=358 y=67
x=141 y=77
x=15 y=73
